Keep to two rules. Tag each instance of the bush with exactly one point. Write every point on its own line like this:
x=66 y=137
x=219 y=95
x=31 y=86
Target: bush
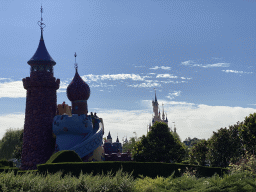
x=246 y=164
x=64 y=156
x=4 y=163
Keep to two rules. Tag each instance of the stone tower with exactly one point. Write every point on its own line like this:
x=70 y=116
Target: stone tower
x=41 y=106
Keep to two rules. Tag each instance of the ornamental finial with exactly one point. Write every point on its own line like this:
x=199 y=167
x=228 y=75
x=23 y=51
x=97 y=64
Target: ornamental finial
x=76 y=66
x=40 y=23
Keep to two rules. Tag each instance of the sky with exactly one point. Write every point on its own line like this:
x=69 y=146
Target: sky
x=198 y=55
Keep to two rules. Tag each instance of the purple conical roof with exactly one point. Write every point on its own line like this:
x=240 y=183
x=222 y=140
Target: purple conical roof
x=78 y=89
x=41 y=55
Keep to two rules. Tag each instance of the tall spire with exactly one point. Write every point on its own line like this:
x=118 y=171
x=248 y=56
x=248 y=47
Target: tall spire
x=76 y=66
x=155 y=96
x=41 y=55
x=163 y=112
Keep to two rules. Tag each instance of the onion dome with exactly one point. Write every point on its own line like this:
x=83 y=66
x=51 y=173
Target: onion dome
x=78 y=89
x=41 y=55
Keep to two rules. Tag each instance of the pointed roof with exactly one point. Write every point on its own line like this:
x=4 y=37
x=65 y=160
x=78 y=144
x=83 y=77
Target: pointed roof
x=41 y=55
x=117 y=140
x=109 y=136
x=155 y=97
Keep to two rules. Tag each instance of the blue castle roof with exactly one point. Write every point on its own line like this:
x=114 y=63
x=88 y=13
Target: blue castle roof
x=41 y=55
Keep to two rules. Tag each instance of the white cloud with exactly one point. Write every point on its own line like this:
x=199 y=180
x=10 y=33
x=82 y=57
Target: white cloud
x=143 y=85
x=161 y=67
x=13 y=89
x=188 y=78
x=193 y=64
x=191 y=120
x=114 y=77
x=166 y=76
x=201 y=121
x=15 y=121
x=238 y=72
x=173 y=95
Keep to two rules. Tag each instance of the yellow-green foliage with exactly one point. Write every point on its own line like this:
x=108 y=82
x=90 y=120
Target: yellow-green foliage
x=121 y=181
x=246 y=164
x=64 y=156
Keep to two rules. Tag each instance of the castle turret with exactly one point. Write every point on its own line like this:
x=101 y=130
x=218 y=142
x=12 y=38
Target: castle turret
x=155 y=106
x=109 y=138
x=78 y=92
x=41 y=106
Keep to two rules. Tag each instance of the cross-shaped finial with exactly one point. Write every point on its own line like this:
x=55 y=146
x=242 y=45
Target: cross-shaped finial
x=40 y=23
x=76 y=66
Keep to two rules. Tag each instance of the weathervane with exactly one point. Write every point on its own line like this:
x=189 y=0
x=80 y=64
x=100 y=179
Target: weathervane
x=40 y=23
x=76 y=66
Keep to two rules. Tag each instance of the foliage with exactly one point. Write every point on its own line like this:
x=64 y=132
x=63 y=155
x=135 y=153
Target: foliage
x=219 y=148
x=246 y=164
x=130 y=145
x=64 y=156
x=198 y=153
x=86 y=182
x=235 y=143
x=158 y=146
x=122 y=181
x=247 y=131
x=18 y=148
x=191 y=142
x=8 y=143
x=4 y=163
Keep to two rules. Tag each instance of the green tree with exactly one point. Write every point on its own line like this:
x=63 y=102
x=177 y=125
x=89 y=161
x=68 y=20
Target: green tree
x=198 y=152
x=129 y=145
x=8 y=143
x=219 y=148
x=18 y=148
x=247 y=131
x=235 y=142
x=159 y=145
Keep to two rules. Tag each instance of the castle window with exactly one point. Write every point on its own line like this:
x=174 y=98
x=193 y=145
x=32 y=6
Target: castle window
x=41 y=68
x=33 y=68
x=48 y=68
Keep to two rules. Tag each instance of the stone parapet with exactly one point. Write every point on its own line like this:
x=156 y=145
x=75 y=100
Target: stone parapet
x=50 y=83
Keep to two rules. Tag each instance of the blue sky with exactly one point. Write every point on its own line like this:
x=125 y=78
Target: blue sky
x=198 y=55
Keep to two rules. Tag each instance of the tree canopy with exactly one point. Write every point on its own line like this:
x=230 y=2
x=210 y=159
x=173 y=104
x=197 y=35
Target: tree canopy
x=158 y=146
x=8 y=143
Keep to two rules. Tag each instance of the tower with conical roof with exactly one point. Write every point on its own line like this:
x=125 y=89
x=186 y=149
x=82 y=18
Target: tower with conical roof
x=41 y=105
x=109 y=138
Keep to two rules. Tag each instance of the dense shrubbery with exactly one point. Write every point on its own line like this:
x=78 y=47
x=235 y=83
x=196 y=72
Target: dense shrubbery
x=121 y=181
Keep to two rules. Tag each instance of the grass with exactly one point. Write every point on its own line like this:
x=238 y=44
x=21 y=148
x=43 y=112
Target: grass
x=122 y=181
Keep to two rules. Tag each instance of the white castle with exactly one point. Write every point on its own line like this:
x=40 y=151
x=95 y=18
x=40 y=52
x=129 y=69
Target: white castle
x=157 y=115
